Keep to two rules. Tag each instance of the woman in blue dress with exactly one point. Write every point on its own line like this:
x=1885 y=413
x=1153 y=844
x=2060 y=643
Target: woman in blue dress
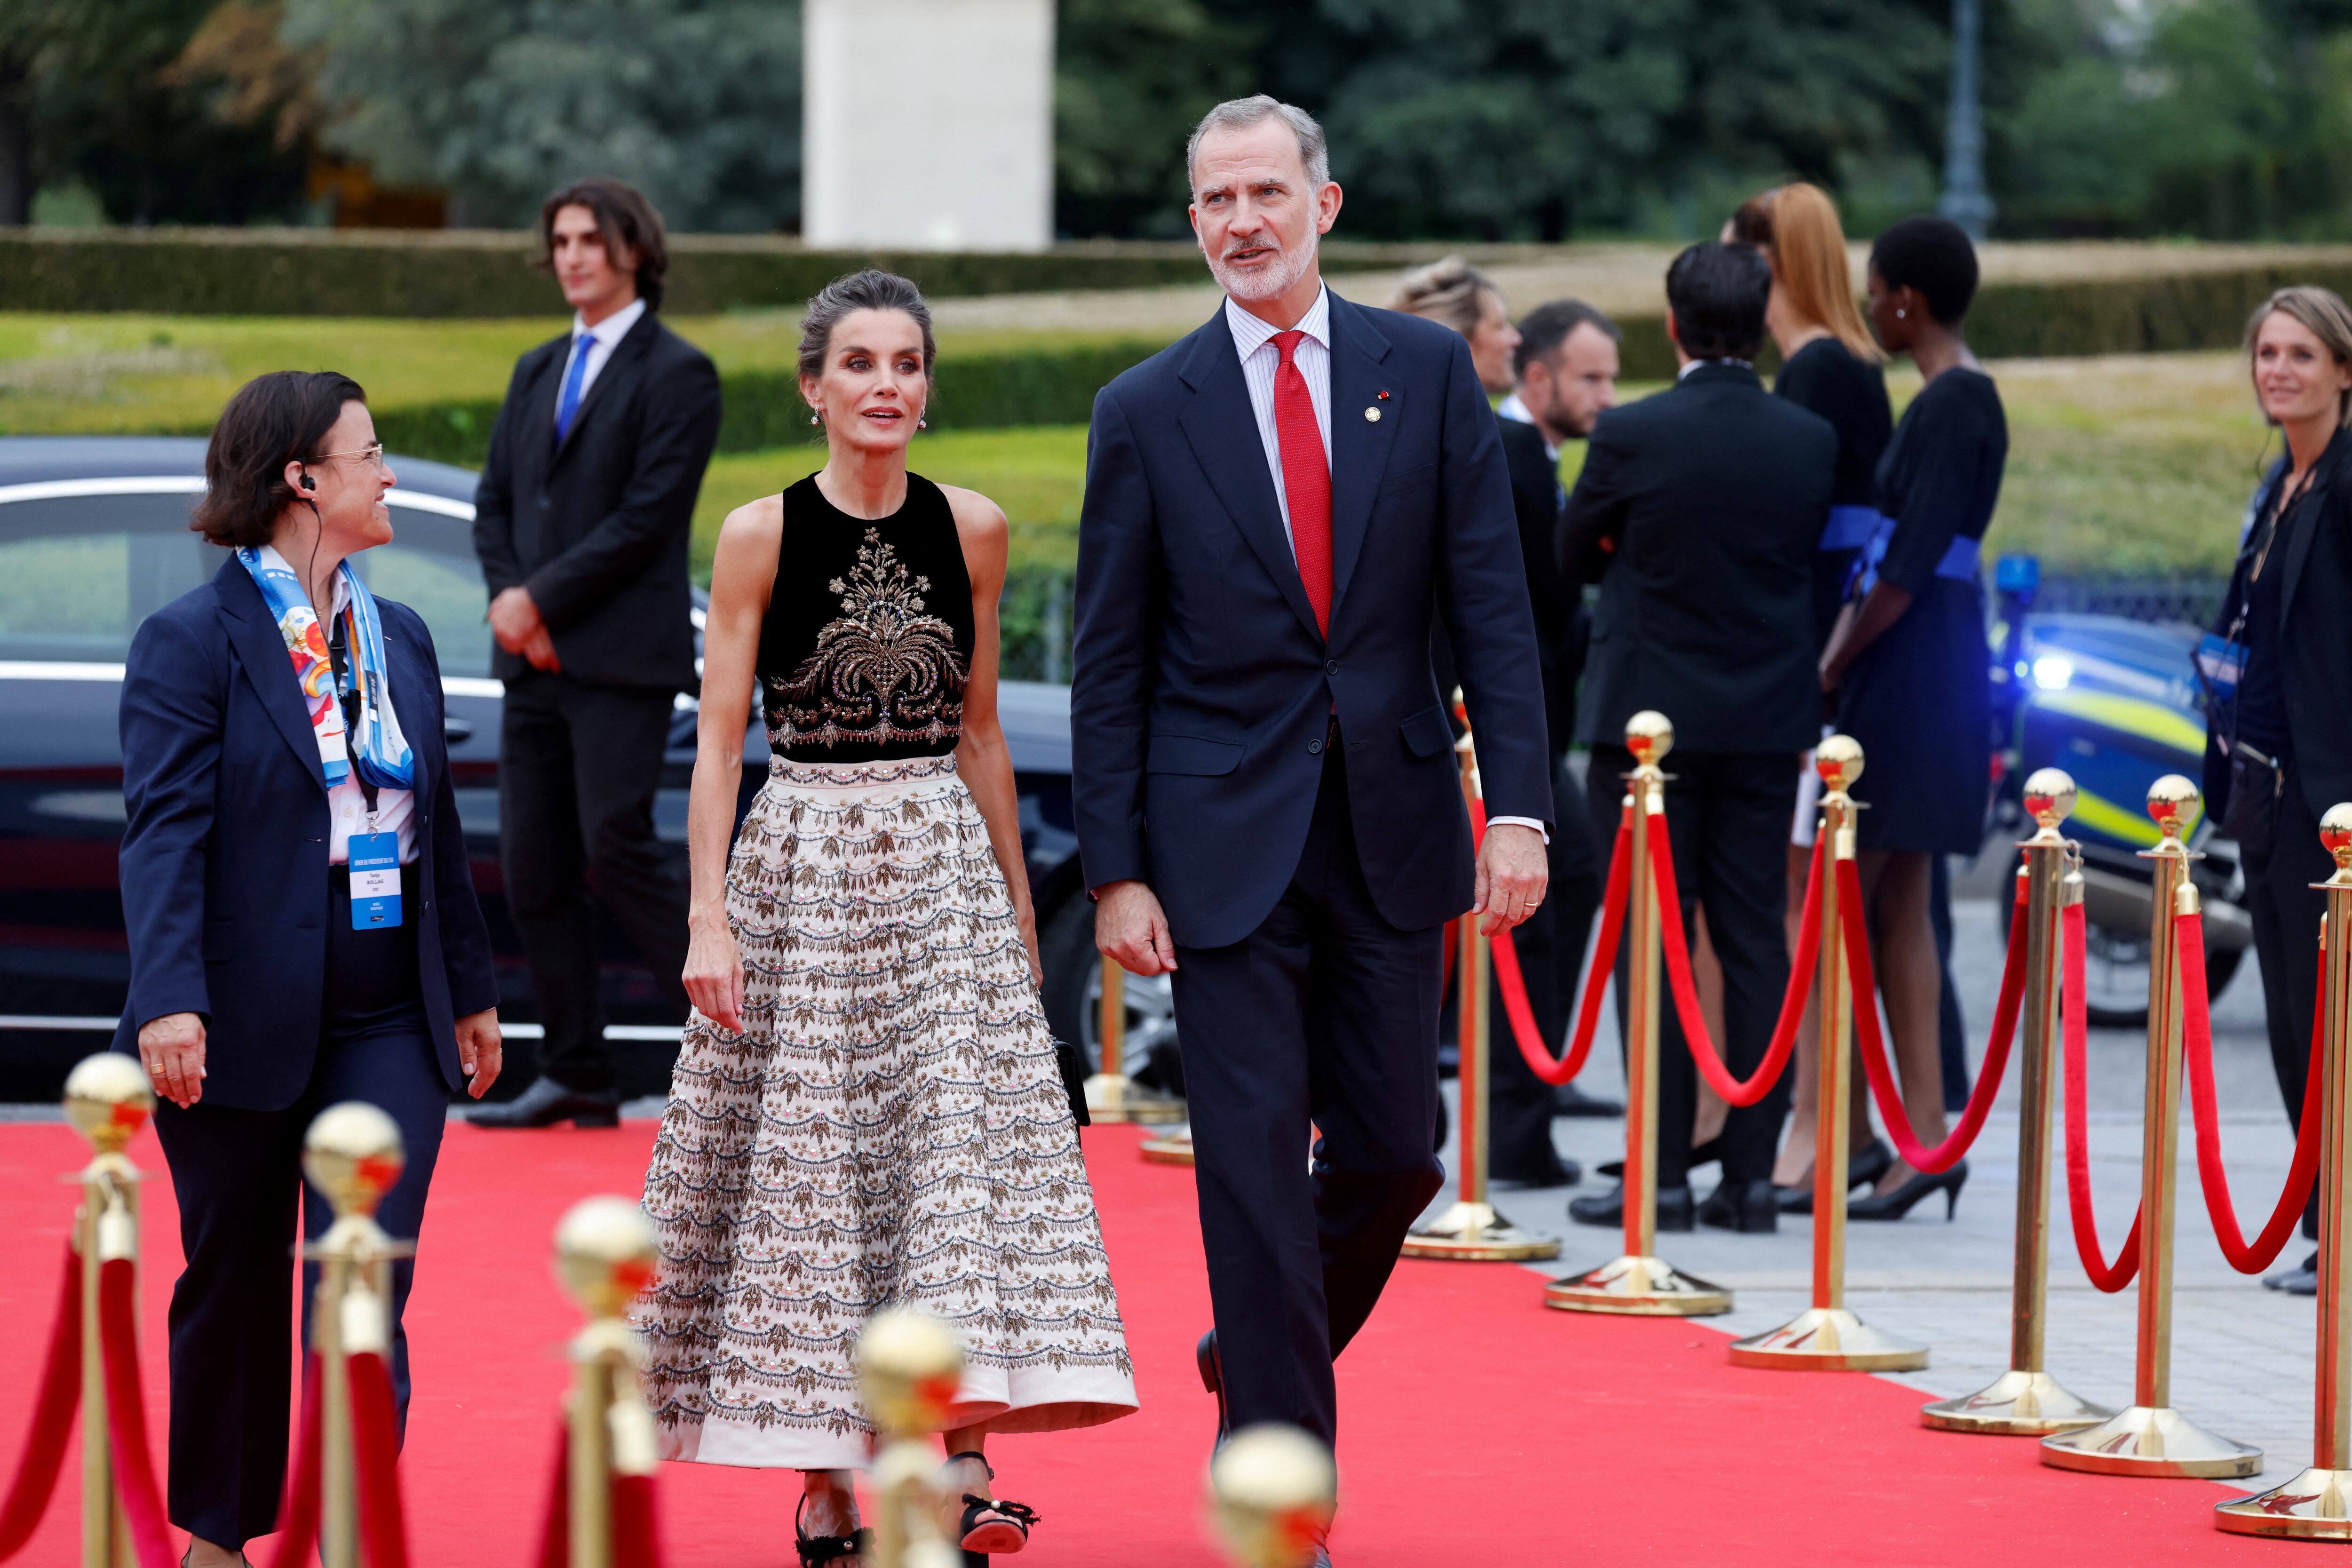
x=1907 y=662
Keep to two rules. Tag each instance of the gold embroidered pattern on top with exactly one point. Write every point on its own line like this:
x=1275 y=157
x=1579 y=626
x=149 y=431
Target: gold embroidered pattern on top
x=883 y=672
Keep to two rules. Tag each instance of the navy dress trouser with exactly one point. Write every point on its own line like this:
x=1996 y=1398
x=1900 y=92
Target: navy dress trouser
x=1326 y=1013
x=238 y=1178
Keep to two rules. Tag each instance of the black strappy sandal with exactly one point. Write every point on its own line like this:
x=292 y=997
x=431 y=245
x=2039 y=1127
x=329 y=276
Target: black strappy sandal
x=816 y=1550
x=992 y=1527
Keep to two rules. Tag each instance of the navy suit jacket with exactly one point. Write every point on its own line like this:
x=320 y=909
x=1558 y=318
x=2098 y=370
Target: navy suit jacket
x=1202 y=689
x=225 y=855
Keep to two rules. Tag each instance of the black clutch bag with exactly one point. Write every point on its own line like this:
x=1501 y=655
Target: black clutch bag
x=1073 y=1063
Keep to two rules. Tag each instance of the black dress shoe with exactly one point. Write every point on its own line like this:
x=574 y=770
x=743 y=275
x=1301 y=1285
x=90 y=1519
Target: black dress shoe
x=1566 y=1099
x=2303 y=1280
x=1563 y=1174
x=547 y=1102
x=1213 y=1378
x=1750 y=1207
x=1673 y=1208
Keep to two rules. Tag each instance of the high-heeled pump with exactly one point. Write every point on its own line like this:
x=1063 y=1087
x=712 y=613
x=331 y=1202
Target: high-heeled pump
x=1863 y=1169
x=1900 y=1203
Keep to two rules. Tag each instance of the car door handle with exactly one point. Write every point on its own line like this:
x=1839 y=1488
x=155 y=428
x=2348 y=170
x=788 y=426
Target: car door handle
x=456 y=730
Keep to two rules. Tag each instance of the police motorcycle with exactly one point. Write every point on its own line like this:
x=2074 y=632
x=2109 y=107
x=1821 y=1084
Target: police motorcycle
x=2117 y=704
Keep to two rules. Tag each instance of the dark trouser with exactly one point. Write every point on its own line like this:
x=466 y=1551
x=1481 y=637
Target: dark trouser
x=578 y=766
x=1728 y=816
x=1325 y=1014
x=238 y=1175
x=2280 y=865
x=1550 y=945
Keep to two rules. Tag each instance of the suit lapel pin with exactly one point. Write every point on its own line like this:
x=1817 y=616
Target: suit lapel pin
x=1372 y=415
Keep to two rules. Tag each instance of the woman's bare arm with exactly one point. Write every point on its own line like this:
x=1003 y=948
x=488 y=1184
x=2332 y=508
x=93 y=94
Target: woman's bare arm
x=742 y=577
x=982 y=758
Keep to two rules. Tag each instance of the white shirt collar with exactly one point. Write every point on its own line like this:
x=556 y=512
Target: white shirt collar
x=612 y=328
x=271 y=557
x=1252 y=333
x=1742 y=364
x=1515 y=408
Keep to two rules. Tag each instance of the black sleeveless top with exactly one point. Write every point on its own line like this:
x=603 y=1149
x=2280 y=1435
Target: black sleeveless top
x=868 y=636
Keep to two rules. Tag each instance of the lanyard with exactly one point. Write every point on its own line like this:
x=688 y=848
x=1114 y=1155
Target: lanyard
x=347 y=691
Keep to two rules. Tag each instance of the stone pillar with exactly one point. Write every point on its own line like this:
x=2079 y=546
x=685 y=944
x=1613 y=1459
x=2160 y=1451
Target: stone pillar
x=929 y=124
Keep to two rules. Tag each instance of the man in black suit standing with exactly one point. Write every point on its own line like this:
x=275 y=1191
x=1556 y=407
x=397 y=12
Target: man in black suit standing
x=1699 y=511
x=1566 y=376
x=581 y=521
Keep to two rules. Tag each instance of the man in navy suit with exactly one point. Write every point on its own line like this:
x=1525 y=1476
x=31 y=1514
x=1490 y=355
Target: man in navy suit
x=1276 y=509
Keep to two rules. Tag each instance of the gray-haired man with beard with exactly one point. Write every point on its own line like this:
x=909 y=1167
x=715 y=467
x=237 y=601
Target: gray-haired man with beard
x=1277 y=508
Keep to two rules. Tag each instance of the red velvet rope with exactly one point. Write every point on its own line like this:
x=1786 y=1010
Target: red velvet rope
x=126 y=1414
x=1524 y=1030
x=634 y=1541
x=2196 y=1046
x=1734 y=1091
x=298 y=1518
x=555 y=1534
x=53 y=1412
x=1863 y=984
x=2075 y=1011
x=375 y=1452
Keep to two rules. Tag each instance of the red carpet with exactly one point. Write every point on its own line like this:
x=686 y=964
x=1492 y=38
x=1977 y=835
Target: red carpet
x=1480 y=1428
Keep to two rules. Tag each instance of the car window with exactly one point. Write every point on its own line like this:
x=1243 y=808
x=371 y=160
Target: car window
x=446 y=589
x=75 y=595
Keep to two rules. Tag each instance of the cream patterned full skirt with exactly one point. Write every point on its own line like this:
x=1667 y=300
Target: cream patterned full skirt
x=890 y=1129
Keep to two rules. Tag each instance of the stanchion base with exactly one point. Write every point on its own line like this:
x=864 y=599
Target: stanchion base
x=1475 y=1233
x=1173 y=1147
x=2315 y=1506
x=1114 y=1097
x=2015 y=1405
x=1828 y=1339
x=1641 y=1287
x=2150 y=1442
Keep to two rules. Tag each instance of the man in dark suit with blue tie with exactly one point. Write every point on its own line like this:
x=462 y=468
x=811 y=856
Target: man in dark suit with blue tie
x=581 y=521
x=1277 y=507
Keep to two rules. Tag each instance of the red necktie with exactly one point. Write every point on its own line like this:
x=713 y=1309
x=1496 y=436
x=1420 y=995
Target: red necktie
x=1305 y=479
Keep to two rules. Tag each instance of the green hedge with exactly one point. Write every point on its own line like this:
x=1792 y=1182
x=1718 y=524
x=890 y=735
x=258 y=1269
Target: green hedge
x=331 y=272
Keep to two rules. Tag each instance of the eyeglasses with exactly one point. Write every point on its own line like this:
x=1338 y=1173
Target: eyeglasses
x=373 y=454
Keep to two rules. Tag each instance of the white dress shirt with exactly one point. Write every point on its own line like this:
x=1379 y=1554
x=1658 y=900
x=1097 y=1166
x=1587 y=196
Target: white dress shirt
x=1261 y=357
x=347 y=808
x=603 y=339
x=1691 y=364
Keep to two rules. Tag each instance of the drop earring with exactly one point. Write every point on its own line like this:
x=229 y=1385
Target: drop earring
x=922 y=423
x=816 y=418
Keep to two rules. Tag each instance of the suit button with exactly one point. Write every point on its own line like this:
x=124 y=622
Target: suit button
x=1330 y=666
x=1314 y=748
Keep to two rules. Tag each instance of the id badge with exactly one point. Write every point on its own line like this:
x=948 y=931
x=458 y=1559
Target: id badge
x=375 y=881
x=2222 y=662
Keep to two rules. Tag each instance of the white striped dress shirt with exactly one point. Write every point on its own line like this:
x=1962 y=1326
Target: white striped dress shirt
x=1253 y=341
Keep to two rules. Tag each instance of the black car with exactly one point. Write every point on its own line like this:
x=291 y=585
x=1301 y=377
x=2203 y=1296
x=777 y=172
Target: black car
x=94 y=536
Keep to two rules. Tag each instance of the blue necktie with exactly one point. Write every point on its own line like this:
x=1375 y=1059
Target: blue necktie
x=568 y=405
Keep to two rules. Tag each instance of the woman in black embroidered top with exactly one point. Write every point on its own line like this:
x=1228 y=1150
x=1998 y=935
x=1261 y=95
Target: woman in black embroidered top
x=866 y=1111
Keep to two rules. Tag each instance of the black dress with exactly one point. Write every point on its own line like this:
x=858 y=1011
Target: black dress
x=1919 y=698
x=1850 y=392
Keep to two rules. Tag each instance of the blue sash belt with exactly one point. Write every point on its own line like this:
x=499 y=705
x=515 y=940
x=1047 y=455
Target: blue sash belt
x=1959 y=562
x=1850 y=528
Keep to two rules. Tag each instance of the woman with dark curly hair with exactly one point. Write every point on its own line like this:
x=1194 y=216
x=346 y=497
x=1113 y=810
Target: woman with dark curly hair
x=302 y=922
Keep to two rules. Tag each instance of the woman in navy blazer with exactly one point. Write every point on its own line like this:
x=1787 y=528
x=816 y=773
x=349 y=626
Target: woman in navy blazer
x=270 y=755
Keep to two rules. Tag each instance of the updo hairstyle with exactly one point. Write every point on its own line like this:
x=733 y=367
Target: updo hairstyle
x=1933 y=254
x=872 y=290
x=1448 y=291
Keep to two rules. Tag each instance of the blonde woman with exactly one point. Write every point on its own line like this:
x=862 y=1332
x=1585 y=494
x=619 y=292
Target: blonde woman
x=2280 y=752
x=1454 y=293
x=1829 y=364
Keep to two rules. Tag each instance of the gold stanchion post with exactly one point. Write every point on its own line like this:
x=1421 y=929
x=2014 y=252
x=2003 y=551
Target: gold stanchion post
x=2317 y=1504
x=352 y=1153
x=1828 y=1336
x=2026 y=1400
x=1470 y=1231
x=107 y=1101
x=604 y=1256
x=2151 y=1438
x=1112 y=1095
x=908 y=1367
x=1273 y=1490
x=1638 y=1282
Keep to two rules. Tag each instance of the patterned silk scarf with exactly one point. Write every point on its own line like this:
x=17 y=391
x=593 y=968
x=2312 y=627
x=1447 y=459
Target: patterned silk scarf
x=382 y=751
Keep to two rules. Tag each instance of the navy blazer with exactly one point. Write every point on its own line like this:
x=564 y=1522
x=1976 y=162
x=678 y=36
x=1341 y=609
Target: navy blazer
x=225 y=856
x=1202 y=689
